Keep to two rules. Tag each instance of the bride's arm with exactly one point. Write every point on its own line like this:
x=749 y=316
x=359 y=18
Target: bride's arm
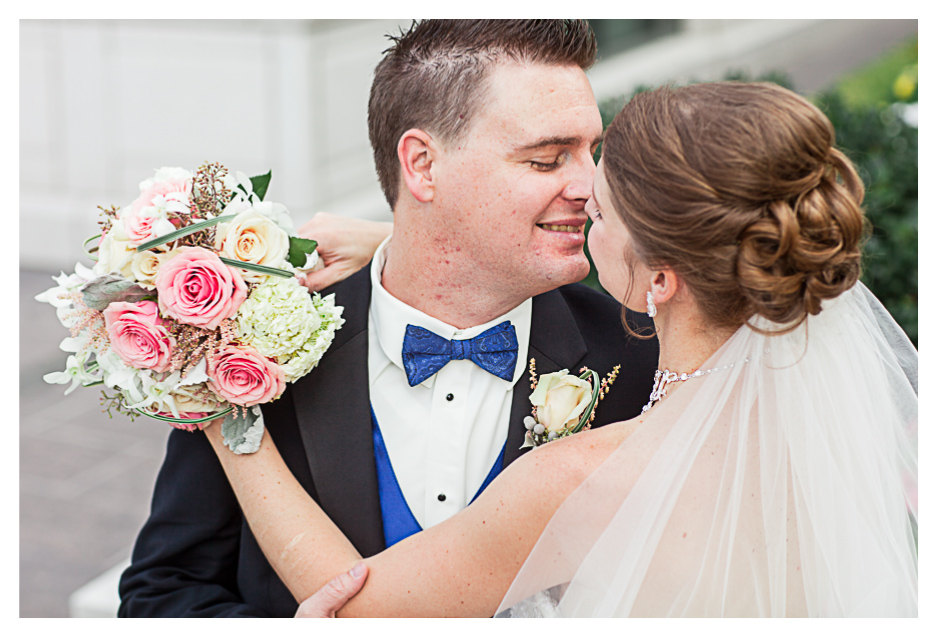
x=345 y=246
x=461 y=567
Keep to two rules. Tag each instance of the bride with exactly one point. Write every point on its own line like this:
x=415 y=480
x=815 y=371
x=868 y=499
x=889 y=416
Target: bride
x=773 y=471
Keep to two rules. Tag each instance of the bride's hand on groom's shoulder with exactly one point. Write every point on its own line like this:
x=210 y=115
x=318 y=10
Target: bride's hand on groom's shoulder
x=345 y=246
x=333 y=596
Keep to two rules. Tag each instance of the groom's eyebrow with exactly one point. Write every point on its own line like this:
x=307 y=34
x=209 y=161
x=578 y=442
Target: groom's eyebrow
x=546 y=142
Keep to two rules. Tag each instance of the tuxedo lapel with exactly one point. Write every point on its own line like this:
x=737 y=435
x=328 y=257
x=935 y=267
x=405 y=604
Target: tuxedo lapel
x=555 y=344
x=334 y=417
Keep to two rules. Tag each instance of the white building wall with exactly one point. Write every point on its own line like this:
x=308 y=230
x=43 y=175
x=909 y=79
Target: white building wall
x=104 y=103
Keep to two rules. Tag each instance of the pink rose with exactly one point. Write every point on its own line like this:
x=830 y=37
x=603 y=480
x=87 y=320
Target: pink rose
x=141 y=228
x=137 y=335
x=186 y=426
x=195 y=287
x=164 y=188
x=243 y=376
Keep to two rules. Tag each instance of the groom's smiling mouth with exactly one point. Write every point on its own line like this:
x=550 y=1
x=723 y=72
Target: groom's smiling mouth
x=571 y=226
x=559 y=228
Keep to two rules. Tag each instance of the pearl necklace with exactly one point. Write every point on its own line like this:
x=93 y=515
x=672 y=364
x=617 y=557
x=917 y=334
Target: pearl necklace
x=663 y=378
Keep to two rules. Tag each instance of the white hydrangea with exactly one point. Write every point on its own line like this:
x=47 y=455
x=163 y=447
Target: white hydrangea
x=308 y=356
x=278 y=317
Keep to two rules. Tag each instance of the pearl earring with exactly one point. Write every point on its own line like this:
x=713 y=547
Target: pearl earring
x=651 y=308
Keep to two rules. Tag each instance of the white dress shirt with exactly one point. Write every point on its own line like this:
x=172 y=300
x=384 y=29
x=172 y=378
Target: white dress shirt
x=444 y=435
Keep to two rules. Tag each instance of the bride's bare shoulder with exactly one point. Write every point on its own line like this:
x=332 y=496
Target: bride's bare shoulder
x=568 y=461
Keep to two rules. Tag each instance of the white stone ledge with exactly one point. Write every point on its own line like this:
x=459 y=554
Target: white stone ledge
x=99 y=597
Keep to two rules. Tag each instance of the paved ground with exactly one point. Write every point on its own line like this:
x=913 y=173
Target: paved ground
x=85 y=480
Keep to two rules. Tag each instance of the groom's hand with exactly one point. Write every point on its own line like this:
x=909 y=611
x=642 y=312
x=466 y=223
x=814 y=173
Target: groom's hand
x=345 y=246
x=331 y=597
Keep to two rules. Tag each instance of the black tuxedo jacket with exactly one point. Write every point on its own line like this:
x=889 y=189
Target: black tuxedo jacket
x=196 y=556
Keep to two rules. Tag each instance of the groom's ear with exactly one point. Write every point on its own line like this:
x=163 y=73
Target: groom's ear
x=416 y=151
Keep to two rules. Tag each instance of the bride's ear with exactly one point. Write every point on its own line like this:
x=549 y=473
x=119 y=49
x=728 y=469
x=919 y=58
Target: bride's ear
x=416 y=151
x=664 y=284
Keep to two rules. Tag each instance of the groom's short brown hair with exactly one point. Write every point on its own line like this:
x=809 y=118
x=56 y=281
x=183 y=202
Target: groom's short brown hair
x=433 y=77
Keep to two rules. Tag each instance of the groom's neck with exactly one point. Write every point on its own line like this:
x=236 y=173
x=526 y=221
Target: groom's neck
x=447 y=284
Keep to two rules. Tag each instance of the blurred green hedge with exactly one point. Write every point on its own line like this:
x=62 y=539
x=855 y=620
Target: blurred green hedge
x=865 y=110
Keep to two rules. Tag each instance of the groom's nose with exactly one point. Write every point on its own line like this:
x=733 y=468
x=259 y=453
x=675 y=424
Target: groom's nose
x=580 y=184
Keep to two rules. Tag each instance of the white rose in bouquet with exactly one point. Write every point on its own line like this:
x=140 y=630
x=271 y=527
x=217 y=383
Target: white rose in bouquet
x=254 y=238
x=115 y=252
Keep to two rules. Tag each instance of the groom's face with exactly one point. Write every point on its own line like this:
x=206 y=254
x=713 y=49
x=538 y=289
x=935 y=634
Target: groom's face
x=515 y=191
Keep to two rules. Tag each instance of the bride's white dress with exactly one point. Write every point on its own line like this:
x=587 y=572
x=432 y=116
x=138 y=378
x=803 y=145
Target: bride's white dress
x=784 y=485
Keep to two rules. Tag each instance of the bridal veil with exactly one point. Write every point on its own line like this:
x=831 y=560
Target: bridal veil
x=785 y=485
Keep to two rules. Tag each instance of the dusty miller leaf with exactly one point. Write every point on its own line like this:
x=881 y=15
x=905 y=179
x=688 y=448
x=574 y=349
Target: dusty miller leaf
x=243 y=435
x=107 y=289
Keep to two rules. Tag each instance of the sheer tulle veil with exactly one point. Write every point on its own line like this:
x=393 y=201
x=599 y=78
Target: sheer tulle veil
x=784 y=485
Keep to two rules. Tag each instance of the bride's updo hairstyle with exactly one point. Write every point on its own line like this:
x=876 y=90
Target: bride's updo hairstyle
x=738 y=189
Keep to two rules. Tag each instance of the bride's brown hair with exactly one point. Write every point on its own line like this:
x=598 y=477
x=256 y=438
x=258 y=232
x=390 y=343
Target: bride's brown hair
x=738 y=188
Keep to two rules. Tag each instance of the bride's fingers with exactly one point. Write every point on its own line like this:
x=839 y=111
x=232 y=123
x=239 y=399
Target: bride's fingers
x=321 y=279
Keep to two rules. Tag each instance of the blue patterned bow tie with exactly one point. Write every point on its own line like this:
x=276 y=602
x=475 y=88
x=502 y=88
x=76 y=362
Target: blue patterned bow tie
x=425 y=353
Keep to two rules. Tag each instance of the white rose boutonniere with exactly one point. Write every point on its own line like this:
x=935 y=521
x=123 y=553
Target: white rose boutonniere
x=563 y=404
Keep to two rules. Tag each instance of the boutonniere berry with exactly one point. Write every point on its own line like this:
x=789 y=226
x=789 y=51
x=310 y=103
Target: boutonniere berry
x=563 y=404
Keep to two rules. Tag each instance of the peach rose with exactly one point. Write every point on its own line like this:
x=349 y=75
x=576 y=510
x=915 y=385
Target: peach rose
x=243 y=376
x=254 y=238
x=196 y=288
x=138 y=336
x=145 y=266
x=192 y=401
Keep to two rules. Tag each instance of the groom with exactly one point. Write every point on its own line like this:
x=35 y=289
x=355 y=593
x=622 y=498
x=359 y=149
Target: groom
x=483 y=134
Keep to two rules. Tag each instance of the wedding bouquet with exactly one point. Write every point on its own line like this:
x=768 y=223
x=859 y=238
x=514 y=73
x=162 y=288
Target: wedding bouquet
x=193 y=311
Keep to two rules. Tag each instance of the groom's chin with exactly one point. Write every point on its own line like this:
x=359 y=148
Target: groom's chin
x=577 y=268
x=564 y=270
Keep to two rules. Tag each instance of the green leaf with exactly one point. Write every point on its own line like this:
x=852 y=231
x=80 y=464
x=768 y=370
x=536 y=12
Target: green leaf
x=587 y=414
x=299 y=248
x=107 y=289
x=89 y=252
x=196 y=421
x=260 y=184
x=182 y=232
x=262 y=269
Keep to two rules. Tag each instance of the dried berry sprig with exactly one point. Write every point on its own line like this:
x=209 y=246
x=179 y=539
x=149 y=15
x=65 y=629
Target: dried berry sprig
x=118 y=403
x=108 y=217
x=209 y=193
